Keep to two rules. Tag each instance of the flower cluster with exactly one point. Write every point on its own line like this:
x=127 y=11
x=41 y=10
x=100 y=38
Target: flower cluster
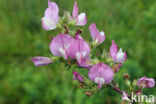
x=73 y=49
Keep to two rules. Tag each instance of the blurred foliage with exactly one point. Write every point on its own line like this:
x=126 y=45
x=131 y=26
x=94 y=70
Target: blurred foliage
x=131 y=23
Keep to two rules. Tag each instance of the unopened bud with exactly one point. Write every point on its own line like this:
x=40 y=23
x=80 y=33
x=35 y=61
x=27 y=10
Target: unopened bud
x=125 y=76
x=116 y=67
x=128 y=83
x=135 y=83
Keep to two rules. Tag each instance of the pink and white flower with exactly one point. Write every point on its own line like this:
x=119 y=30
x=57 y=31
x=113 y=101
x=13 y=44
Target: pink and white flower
x=146 y=82
x=118 y=56
x=51 y=17
x=81 y=19
x=79 y=50
x=100 y=74
x=97 y=37
x=60 y=45
x=125 y=97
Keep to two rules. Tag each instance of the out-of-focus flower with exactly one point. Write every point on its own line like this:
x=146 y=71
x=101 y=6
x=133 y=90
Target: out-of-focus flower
x=40 y=61
x=101 y=73
x=77 y=76
x=79 y=50
x=81 y=19
x=98 y=37
x=118 y=56
x=146 y=82
x=51 y=17
x=125 y=97
x=60 y=45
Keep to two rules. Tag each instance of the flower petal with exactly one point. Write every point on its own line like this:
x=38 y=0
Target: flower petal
x=93 y=31
x=40 y=61
x=113 y=50
x=75 y=10
x=100 y=81
x=48 y=24
x=79 y=49
x=51 y=17
x=102 y=36
x=82 y=19
x=121 y=56
x=60 y=45
x=151 y=83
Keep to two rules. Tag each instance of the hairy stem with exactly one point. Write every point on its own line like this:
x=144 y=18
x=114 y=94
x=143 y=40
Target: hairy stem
x=115 y=88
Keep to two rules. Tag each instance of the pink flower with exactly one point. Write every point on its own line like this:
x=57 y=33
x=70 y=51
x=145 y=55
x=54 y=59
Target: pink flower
x=98 y=37
x=146 y=82
x=60 y=45
x=81 y=19
x=77 y=76
x=125 y=96
x=101 y=73
x=40 y=61
x=79 y=50
x=118 y=56
x=51 y=17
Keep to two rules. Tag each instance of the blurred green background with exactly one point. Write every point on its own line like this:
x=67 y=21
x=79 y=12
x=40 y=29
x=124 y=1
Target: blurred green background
x=131 y=23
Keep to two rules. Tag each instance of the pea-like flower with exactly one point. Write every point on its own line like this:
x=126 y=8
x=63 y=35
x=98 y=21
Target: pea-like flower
x=40 y=60
x=146 y=82
x=60 y=45
x=125 y=97
x=97 y=37
x=100 y=74
x=77 y=76
x=51 y=17
x=118 y=56
x=79 y=50
x=81 y=19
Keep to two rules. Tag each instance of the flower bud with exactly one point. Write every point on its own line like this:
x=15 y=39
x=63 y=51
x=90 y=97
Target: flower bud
x=40 y=60
x=116 y=67
x=134 y=83
x=77 y=76
x=125 y=76
x=128 y=83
